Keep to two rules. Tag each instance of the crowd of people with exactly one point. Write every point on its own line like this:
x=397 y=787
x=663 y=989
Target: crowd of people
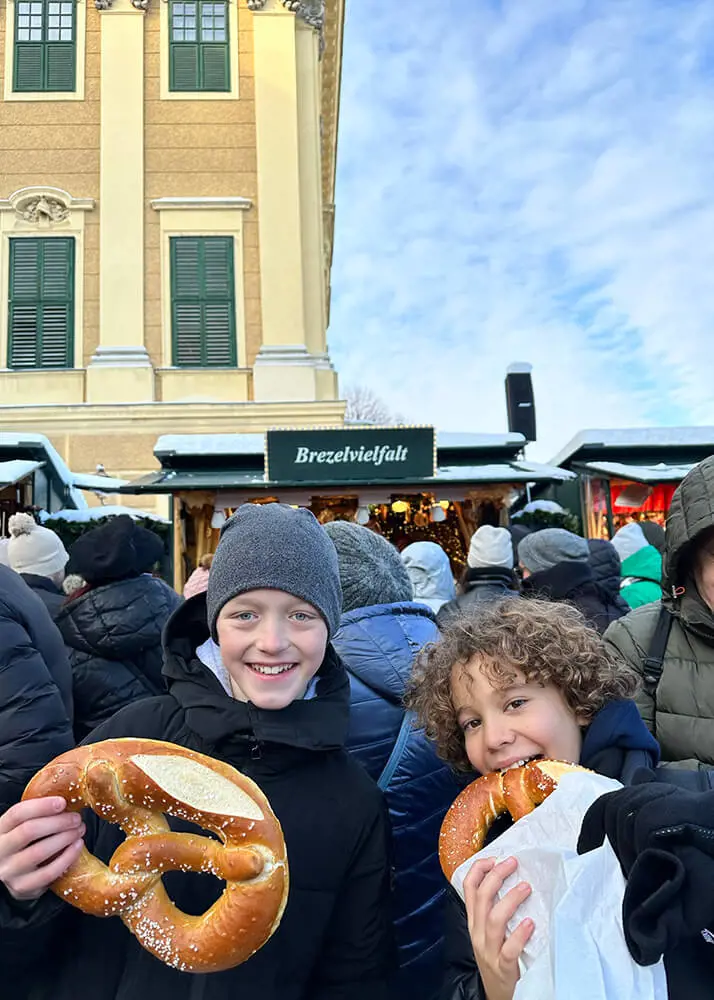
x=362 y=688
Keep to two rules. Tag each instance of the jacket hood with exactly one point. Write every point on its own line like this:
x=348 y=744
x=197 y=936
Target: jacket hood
x=646 y=562
x=119 y=619
x=605 y=564
x=558 y=581
x=318 y=723
x=378 y=644
x=691 y=513
x=618 y=726
x=430 y=572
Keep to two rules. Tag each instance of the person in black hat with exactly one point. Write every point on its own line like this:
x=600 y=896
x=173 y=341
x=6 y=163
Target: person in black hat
x=112 y=626
x=253 y=681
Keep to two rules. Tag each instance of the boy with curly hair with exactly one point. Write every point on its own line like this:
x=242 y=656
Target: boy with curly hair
x=512 y=681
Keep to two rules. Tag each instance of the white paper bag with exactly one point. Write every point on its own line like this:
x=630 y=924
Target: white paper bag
x=578 y=948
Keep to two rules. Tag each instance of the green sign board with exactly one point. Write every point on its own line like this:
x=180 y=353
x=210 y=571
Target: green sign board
x=359 y=455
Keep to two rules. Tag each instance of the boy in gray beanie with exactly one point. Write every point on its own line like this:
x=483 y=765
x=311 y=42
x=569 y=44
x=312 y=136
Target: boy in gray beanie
x=252 y=680
x=371 y=569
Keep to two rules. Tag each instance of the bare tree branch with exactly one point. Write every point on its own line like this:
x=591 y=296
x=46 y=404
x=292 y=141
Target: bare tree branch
x=364 y=406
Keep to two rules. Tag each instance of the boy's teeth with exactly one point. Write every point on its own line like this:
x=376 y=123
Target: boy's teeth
x=279 y=669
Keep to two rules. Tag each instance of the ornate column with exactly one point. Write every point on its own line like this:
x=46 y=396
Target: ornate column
x=292 y=363
x=120 y=370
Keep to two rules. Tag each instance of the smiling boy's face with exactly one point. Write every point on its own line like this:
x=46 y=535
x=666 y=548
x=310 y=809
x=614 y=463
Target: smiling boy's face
x=272 y=645
x=502 y=725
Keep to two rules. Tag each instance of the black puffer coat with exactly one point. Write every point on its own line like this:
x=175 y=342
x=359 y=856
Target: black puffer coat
x=35 y=688
x=606 y=567
x=113 y=636
x=48 y=592
x=492 y=583
x=334 y=940
x=573 y=582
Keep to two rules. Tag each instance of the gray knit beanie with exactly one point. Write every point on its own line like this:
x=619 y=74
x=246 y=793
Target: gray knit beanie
x=371 y=569
x=275 y=547
x=544 y=549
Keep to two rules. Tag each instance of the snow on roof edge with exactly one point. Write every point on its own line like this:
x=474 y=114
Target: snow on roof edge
x=633 y=437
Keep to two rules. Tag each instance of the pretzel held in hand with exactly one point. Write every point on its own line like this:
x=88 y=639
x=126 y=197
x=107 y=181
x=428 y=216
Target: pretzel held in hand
x=517 y=790
x=132 y=782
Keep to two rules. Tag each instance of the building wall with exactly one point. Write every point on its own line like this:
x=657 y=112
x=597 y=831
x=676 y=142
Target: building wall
x=198 y=147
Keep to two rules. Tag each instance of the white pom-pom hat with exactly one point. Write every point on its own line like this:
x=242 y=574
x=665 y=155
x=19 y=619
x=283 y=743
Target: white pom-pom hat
x=34 y=549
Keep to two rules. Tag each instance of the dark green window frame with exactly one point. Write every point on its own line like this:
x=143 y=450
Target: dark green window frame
x=203 y=307
x=41 y=303
x=199 y=48
x=45 y=56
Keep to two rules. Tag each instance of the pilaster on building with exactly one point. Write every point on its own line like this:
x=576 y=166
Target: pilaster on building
x=166 y=217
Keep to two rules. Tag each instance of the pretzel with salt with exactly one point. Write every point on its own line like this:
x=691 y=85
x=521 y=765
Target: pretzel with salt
x=133 y=782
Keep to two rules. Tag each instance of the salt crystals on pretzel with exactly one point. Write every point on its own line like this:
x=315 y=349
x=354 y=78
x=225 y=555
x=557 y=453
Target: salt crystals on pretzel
x=133 y=782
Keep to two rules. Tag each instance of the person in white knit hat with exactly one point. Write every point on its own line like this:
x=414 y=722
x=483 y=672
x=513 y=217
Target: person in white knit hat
x=489 y=572
x=39 y=556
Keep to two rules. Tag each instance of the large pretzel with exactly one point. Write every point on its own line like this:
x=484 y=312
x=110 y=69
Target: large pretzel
x=517 y=791
x=132 y=783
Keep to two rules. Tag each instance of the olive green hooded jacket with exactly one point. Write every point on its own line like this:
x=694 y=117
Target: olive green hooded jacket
x=681 y=713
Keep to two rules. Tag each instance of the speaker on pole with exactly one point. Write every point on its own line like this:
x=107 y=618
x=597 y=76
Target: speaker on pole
x=519 y=401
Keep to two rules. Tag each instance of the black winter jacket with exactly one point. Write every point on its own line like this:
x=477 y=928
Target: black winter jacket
x=606 y=566
x=334 y=940
x=573 y=582
x=35 y=688
x=489 y=584
x=378 y=645
x=113 y=637
x=618 y=745
x=48 y=592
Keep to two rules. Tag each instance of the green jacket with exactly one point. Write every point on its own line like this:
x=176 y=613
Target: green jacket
x=681 y=712
x=647 y=563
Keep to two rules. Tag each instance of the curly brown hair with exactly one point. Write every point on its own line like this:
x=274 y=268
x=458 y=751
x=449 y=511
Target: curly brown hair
x=550 y=643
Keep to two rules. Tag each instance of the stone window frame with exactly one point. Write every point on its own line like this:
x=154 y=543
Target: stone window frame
x=232 y=94
x=207 y=216
x=70 y=221
x=80 y=13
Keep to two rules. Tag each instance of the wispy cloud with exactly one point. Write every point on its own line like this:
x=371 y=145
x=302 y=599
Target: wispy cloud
x=523 y=181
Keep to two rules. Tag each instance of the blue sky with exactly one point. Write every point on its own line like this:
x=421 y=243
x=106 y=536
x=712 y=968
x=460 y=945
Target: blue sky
x=528 y=181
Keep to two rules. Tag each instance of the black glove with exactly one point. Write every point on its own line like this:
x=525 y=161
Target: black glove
x=664 y=840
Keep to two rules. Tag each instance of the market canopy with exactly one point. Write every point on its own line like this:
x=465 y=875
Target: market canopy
x=662 y=472
x=242 y=461
x=16 y=470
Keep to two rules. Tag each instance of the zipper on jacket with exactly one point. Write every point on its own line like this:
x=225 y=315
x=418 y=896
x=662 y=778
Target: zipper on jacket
x=255 y=749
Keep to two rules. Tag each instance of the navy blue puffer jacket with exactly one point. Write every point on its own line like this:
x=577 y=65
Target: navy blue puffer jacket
x=378 y=646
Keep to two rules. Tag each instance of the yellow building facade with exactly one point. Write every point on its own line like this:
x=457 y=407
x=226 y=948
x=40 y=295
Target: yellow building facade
x=167 y=178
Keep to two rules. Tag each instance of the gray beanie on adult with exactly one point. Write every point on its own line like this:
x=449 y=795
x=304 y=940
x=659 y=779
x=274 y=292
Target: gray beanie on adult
x=275 y=547
x=371 y=569
x=544 y=549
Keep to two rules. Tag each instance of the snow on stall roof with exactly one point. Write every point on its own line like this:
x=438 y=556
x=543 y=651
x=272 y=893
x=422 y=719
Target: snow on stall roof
x=660 y=473
x=514 y=472
x=254 y=444
x=8 y=440
x=210 y=444
x=94 y=513
x=637 y=437
x=13 y=471
x=105 y=484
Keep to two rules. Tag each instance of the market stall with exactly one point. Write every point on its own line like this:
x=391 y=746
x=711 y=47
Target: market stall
x=628 y=475
x=408 y=483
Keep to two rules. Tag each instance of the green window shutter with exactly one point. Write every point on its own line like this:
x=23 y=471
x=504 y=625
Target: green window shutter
x=215 y=67
x=29 y=67
x=41 y=312
x=60 y=60
x=203 y=302
x=184 y=63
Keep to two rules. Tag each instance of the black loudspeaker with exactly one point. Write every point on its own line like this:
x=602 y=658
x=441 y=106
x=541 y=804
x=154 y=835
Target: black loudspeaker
x=520 y=402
